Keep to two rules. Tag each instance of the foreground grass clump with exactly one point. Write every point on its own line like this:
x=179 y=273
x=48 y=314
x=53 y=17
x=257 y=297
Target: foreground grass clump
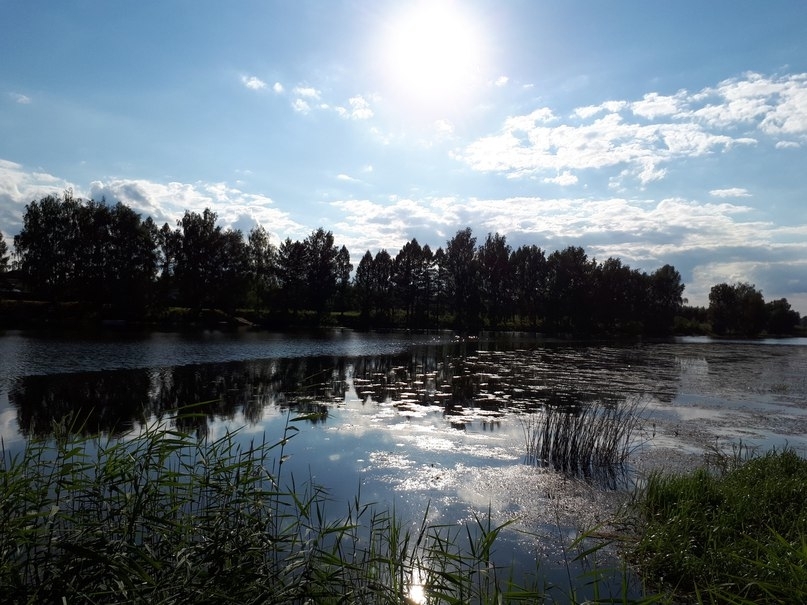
x=167 y=518
x=739 y=536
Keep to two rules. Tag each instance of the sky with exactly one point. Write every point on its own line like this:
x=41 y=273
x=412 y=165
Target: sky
x=655 y=132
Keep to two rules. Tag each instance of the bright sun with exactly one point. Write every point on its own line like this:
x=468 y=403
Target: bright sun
x=433 y=53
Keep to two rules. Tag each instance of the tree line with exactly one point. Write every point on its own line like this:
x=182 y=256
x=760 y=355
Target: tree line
x=110 y=258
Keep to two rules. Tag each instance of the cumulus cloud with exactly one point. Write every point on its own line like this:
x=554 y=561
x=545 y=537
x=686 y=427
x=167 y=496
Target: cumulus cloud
x=300 y=106
x=278 y=88
x=167 y=202
x=501 y=81
x=253 y=83
x=19 y=186
x=642 y=137
x=358 y=109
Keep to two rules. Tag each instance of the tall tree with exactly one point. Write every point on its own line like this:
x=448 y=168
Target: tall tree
x=382 y=285
x=736 y=309
x=231 y=270
x=343 y=269
x=427 y=286
x=130 y=258
x=569 y=296
x=463 y=279
x=363 y=285
x=529 y=270
x=198 y=237
x=407 y=270
x=262 y=265
x=46 y=246
x=495 y=278
x=664 y=300
x=321 y=270
x=291 y=272
x=782 y=319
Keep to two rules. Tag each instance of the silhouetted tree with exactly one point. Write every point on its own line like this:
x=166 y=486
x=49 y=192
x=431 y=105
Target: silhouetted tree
x=291 y=271
x=321 y=270
x=46 y=245
x=615 y=294
x=4 y=257
x=529 y=269
x=664 y=299
x=363 y=285
x=427 y=286
x=736 y=309
x=407 y=271
x=495 y=278
x=343 y=269
x=462 y=273
x=262 y=265
x=781 y=318
x=231 y=270
x=382 y=285
x=569 y=290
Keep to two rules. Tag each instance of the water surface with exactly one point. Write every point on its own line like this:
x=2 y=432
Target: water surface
x=419 y=420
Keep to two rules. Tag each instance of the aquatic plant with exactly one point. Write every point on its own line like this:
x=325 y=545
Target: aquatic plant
x=165 y=517
x=585 y=440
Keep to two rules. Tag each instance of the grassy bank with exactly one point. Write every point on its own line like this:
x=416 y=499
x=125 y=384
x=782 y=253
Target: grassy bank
x=736 y=533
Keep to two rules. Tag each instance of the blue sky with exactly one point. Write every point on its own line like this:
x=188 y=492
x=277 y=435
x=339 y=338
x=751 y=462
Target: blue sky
x=658 y=132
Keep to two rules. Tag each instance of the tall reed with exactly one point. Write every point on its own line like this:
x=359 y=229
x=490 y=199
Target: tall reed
x=583 y=440
x=165 y=517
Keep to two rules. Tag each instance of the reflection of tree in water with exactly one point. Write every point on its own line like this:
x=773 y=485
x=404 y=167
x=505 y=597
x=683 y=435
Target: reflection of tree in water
x=460 y=379
x=110 y=402
x=463 y=381
x=113 y=402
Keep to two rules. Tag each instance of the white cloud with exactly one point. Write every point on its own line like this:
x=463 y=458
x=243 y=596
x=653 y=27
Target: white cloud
x=167 y=202
x=731 y=192
x=444 y=129
x=346 y=178
x=20 y=98
x=654 y=105
x=253 y=83
x=307 y=92
x=564 y=179
x=278 y=88
x=501 y=81
x=788 y=145
x=359 y=109
x=657 y=130
x=19 y=187
x=300 y=106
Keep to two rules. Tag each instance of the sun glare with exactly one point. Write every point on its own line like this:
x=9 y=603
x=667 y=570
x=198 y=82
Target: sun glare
x=433 y=53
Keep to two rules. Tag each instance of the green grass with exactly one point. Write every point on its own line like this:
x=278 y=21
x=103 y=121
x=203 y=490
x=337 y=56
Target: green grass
x=737 y=534
x=163 y=517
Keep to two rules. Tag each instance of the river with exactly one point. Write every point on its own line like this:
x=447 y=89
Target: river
x=421 y=420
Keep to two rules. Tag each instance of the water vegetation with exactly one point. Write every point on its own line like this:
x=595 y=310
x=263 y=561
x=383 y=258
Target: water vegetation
x=165 y=517
x=587 y=441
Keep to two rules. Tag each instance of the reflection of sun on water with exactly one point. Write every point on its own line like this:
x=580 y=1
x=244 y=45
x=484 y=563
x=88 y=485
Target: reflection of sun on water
x=432 y=53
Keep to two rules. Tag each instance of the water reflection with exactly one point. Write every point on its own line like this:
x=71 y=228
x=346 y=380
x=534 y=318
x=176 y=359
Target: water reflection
x=466 y=382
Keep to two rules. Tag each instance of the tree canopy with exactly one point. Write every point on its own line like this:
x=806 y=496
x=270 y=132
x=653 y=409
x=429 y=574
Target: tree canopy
x=108 y=256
